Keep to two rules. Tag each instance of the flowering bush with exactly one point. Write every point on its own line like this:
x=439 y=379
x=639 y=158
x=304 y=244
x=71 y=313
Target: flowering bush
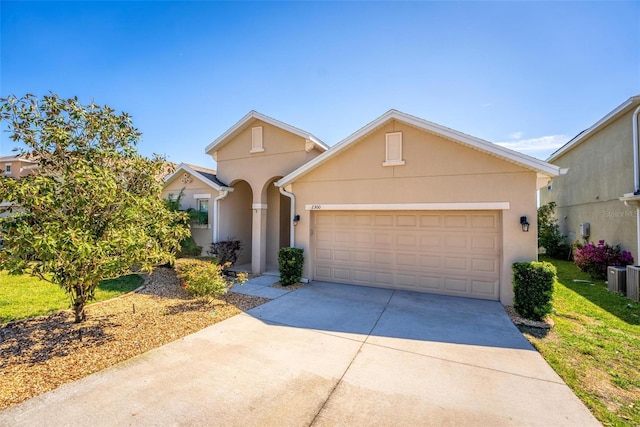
x=594 y=259
x=204 y=278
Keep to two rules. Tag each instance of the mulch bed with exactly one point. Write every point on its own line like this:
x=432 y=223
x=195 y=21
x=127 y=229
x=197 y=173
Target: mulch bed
x=293 y=287
x=518 y=320
x=43 y=353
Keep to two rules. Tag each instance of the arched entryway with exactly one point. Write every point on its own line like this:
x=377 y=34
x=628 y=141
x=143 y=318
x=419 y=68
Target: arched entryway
x=278 y=223
x=236 y=220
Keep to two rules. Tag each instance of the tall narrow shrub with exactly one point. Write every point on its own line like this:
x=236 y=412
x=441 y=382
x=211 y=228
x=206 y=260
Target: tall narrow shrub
x=533 y=288
x=290 y=262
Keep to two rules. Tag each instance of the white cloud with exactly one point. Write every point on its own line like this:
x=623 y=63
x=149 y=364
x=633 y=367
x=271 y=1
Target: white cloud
x=540 y=147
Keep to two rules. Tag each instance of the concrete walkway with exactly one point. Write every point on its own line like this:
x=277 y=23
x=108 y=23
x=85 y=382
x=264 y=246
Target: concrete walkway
x=328 y=355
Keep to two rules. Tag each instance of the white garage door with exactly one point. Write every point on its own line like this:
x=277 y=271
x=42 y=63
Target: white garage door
x=443 y=252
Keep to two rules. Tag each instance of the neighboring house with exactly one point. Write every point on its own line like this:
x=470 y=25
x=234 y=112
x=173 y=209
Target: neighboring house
x=600 y=163
x=16 y=166
x=197 y=187
x=402 y=203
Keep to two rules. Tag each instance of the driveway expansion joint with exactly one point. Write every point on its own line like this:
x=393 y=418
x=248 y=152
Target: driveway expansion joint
x=333 y=389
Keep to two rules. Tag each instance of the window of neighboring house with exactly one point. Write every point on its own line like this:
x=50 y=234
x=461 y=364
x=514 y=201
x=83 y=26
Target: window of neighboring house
x=203 y=211
x=393 y=149
x=256 y=140
x=7 y=168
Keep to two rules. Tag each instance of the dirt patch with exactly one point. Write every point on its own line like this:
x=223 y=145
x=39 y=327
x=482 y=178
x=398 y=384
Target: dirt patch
x=293 y=287
x=43 y=353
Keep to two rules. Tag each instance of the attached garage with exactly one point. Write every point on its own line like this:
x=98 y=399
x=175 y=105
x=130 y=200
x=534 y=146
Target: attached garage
x=408 y=204
x=444 y=252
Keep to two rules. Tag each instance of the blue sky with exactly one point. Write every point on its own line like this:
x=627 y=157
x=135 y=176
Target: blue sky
x=529 y=74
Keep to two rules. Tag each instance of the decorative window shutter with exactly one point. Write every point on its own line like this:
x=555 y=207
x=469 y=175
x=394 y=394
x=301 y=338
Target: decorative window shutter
x=393 y=150
x=256 y=140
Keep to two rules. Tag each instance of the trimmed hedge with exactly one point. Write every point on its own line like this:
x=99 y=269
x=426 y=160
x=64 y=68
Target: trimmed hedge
x=533 y=288
x=290 y=262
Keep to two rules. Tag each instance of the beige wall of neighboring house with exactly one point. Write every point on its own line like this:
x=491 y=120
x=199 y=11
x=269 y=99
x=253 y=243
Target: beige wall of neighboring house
x=600 y=171
x=16 y=167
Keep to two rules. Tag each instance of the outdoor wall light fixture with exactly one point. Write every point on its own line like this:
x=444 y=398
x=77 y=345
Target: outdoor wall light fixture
x=296 y=220
x=524 y=223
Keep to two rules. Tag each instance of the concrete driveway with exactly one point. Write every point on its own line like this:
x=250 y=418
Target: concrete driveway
x=328 y=354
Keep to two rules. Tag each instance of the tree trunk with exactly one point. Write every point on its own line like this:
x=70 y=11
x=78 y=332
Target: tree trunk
x=78 y=309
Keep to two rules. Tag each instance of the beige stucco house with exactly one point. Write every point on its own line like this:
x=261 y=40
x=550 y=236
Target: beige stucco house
x=402 y=203
x=601 y=176
x=16 y=166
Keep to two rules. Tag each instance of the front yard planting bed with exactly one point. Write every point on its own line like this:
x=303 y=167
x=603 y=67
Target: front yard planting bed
x=594 y=345
x=43 y=353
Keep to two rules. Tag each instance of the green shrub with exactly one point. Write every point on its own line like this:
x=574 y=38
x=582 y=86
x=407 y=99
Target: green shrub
x=204 y=278
x=188 y=247
x=533 y=288
x=290 y=262
x=549 y=236
x=226 y=252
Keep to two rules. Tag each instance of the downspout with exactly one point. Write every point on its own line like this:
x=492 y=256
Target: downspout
x=636 y=175
x=221 y=195
x=292 y=234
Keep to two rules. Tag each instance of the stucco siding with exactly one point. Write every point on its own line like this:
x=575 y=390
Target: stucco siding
x=437 y=170
x=600 y=170
x=283 y=153
x=202 y=236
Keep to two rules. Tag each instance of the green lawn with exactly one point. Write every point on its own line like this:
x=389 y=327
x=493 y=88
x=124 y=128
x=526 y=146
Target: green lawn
x=595 y=345
x=24 y=296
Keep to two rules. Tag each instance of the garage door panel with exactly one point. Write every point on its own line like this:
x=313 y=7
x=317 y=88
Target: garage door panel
x=383 y=220
x=407 y=260
x=452 y=253
x=484 y=266
x=455 y=242
x=407 y=220
x=324 y=236
x=430 y=241
x=409 y=241
x=488 y=289
x=455 y=221
x=430 y=261
x=362 y=276
x=455 y=285
x=489 y=222
x=484 y=242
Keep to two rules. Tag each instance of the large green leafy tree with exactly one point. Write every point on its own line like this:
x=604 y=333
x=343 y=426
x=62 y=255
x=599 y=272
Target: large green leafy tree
x=92 y=209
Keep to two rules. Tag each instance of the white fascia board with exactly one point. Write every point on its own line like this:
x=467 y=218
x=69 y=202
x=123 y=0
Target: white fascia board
x=452 y=206
x=536 y=165
x=184 y=167
x=613 y=114
x=222 y=139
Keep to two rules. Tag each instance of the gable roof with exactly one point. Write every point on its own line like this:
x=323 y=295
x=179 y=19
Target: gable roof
x=613 y=115
x=208 y=176
x=539 y=166
x=254 y=115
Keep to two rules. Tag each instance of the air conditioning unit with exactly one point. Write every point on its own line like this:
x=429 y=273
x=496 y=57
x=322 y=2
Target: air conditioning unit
x=633 y=281
x=617 y=279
